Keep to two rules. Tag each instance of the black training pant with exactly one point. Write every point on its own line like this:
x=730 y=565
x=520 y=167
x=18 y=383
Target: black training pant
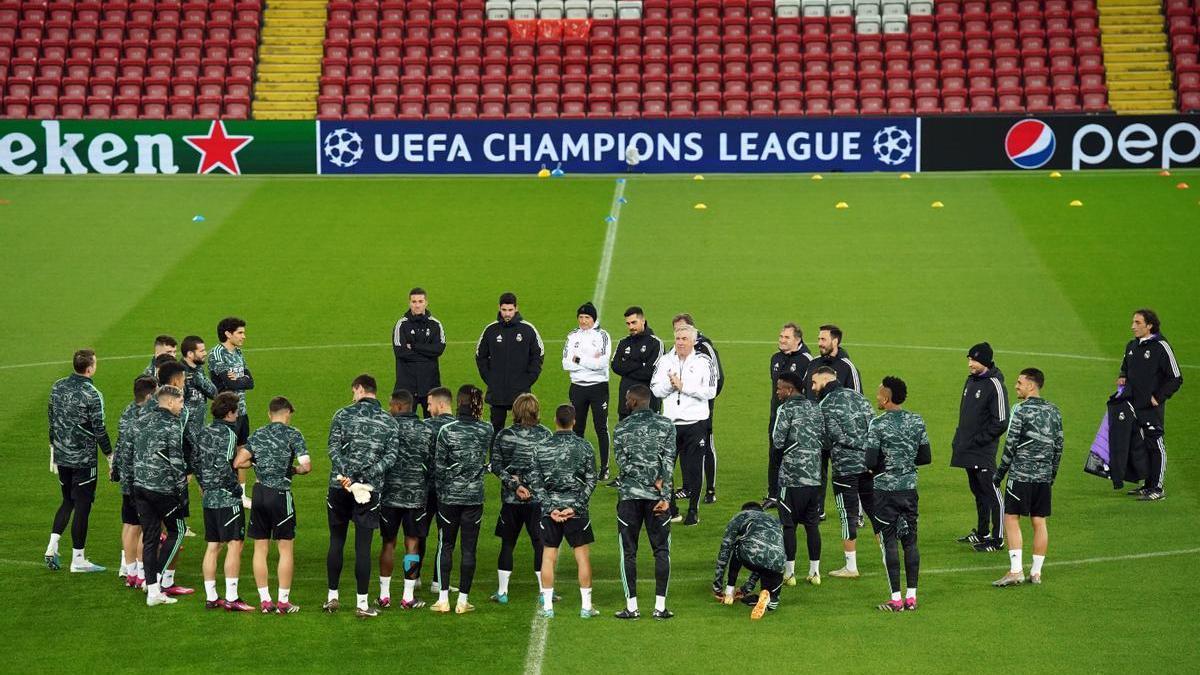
x=499 y=417
x=156 y=511
x=1151 y=422
x=594 y=396
x=771 y=580
x=710 y=453
x=431 y=505
x=452 y=519
x=631 y=515
x=362 y=555
x=514 y=517
x=897 y=515
x=689 y=451
x=989 y=506
x=78 y=486
x=774 y=459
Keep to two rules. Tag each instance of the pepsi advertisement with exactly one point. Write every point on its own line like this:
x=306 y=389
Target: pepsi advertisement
x=1072 y=143
x=608 y=146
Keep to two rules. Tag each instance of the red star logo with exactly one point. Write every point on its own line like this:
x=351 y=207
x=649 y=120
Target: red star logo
x=218 y=149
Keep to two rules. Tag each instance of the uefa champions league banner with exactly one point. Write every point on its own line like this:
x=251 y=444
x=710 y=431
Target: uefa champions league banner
x=595 y=146
x=1074 y=142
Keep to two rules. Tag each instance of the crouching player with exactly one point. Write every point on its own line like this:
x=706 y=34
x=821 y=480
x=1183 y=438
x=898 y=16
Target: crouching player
x=897 y=444
x=405 y=498
x=562 y=477
x=754 y=540
x=277 y=452
x=224 y=523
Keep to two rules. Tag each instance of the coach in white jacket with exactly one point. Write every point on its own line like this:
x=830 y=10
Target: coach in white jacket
x=686 y=380
x=585 y=358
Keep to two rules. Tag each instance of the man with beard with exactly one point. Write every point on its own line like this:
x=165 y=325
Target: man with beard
x=418 y=341
x=509 y=357
x=634 y=359
x=982 y=417
x=793 y=357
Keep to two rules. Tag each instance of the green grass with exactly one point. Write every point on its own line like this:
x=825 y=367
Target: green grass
x=320 y=269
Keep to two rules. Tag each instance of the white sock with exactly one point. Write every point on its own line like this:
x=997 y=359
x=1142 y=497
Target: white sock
x=124 y=567
x=660 y=603
x=245 y=495
x=586 y=594
x=231 y=592
x=896 y=596
x=141 y=571
x=52 y=547
x=1014 y=561
x=729 y=590
x=814 y=567
x=462 y=599
x=631 y=604
x=911 y=594
x=852 y=561
x=362 y=600
x=264 y=594
x=153 y=590
x=1037 y=564
x=77 y=555
x=333 y=595
x=444 y=596
x=168 y=578
x=410 y=585
x=548 y=599
x=538 y=575
x=285 y=595
x=385 y=587
x=503 y=576
x=789 y=569
x=210 y=590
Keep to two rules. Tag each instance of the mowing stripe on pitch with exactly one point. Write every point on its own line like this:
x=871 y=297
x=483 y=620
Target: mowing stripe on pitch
x=377 y=345
x=539 y=628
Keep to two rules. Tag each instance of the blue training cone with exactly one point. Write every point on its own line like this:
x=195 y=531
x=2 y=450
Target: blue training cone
x=610 y=219
x=622 y=200
x=197 y=219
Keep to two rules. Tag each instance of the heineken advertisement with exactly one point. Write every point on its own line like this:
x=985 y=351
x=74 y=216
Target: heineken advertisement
x=145 y=147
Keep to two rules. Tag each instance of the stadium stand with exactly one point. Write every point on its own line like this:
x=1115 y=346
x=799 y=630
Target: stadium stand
x=140 y=59
x=1183 y=25
x=1135 y=56
x=497 y=59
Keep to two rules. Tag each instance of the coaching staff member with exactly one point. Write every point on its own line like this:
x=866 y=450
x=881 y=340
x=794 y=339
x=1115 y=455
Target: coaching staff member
x=418 y=342
x=1150 y=375
x=793 y=357
x=982 y=417
x=634 y=359
x=509 y=357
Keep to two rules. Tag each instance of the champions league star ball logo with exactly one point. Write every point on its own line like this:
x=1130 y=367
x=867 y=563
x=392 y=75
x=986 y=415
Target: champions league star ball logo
x=343 y=148
x=892 y=145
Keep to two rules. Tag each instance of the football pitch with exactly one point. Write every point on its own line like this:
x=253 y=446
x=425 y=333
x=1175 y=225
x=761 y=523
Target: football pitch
x=320 y=269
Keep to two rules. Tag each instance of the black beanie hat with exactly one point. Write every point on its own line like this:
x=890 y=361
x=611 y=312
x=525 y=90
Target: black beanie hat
x=587 y=308
x=982 y=353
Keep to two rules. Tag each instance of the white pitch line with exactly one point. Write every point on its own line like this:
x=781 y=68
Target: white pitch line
x=539 y=628
x=610 y=241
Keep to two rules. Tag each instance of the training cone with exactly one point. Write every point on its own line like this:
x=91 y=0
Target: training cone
x=1182 y=186
x=1164 y=173
x=697 y=177
x=700 y=207
x=817 y=176
x=1055 y=174
x=610 y=219
x=937 y=205
x=544 y=173
x=841 y=205
x=622 y=200
x=1076 y=202
x=197 y=219
x=4 y=202
x=905 y=176
x=558 y=173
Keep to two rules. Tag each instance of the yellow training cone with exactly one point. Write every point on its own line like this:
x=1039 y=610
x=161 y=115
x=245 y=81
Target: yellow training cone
x=700 y=206
x=816 y=176
x=905 y=176
x=1164 y=172
x=1055 y=174
x=1182 y=186
x=937 y=205
x=841 y=205
x=544 y=173
x=1076 y=202
x=697 y=177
